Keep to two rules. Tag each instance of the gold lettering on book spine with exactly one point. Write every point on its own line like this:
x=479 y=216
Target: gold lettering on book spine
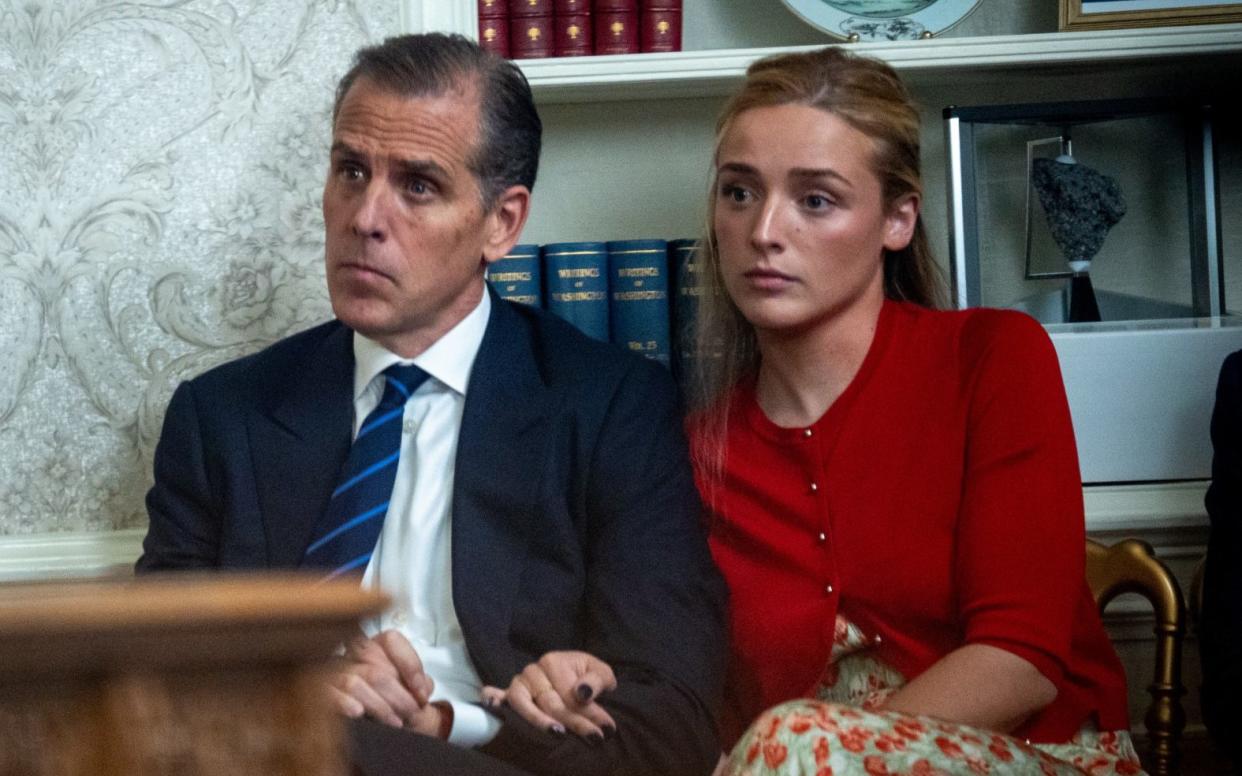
x=638 y=296
x=584 y=272
x=509 y=277
x=580 y=296
x=638 y=272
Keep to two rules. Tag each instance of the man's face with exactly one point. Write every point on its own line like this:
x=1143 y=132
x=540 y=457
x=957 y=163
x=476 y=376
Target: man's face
x=406 y=229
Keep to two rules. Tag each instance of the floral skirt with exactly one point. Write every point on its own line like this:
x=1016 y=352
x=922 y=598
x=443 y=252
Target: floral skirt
x=840 y=732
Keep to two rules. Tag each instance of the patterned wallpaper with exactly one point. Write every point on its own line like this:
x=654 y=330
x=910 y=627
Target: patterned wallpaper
x=160 y=169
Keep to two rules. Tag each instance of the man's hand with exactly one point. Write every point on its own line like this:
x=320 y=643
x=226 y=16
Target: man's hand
x=558 y=693
x=383 y=679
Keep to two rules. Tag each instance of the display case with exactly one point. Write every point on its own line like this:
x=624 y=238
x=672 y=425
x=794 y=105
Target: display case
x=1102 y=220
x=1052 y=204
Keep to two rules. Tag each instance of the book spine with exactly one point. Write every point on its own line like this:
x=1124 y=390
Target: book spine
x=572 y=7
x=494 y=34
x=577 y=285
x=573 y=35
x=517 y=277
x=660 y=28
x=684 y=268
x=524 y=8
x=531 y=37
x=638 y=297
x=616 y=32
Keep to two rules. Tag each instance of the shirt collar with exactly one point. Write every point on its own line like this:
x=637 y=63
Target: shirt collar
x=449 y=359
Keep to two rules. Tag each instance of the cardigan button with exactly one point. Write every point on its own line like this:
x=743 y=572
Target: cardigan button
x=828 y=589
x=814 y=487
x=821 y=537
x=807 y=433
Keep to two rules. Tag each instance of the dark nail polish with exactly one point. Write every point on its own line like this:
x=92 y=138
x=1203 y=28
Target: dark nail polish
x=596 y=739
x=557 y=730
x=584 y=693
x=490 y=702
x=609 y=732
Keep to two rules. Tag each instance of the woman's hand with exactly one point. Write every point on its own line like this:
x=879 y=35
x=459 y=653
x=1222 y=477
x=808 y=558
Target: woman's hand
x=559 y=693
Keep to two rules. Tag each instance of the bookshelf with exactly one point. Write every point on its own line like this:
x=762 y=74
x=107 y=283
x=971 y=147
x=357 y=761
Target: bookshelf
x=710 y=70
x=716 y=72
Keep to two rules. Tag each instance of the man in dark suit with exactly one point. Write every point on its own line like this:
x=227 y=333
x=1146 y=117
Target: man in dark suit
x=537 y=501
x=1221 y=619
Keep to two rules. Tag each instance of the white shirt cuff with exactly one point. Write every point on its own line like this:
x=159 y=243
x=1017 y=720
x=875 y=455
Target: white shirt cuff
x=472 y=726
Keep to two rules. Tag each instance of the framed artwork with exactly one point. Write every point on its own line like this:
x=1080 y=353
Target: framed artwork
x=881 y=19
x=1113 y=14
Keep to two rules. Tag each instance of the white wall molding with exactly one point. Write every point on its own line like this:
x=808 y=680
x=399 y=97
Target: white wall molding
x=1163 y=509
x=40 y=556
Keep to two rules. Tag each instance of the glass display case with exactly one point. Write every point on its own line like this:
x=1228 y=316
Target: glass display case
x=1102 y=220
x=1131 y=182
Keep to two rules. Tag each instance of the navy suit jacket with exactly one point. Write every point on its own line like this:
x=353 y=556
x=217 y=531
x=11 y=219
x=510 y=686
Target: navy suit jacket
x=575 y=521
x=1221 y=619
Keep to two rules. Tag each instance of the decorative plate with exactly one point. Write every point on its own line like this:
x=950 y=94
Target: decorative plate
x=882 y=19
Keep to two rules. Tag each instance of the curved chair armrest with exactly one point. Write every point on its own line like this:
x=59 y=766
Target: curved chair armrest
x=1130 y=566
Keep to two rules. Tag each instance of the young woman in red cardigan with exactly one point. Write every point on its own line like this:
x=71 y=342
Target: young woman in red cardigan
x=894 y=490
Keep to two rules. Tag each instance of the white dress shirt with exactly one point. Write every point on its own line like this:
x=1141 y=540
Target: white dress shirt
x=412 y=560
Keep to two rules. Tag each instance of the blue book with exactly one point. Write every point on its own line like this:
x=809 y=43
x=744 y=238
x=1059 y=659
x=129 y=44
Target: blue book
x=576 y=277
x=638 y=296
x=516 y=276
x=684 y=268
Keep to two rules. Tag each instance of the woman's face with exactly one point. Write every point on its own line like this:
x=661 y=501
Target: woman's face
x=799 y=218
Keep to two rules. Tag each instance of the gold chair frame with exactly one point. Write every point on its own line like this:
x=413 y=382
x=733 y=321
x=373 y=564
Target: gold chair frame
x=1130 y=566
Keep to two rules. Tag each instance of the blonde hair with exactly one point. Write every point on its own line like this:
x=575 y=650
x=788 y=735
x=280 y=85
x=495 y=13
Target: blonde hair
x=867 y=94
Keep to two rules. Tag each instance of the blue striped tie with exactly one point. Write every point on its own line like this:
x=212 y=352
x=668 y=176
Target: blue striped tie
x=345 y=536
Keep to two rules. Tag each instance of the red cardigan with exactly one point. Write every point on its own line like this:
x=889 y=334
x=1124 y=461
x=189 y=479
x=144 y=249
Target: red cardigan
x=936 y=503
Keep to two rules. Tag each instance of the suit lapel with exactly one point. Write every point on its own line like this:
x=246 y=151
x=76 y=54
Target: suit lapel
x=499 y=469
x=298 y=446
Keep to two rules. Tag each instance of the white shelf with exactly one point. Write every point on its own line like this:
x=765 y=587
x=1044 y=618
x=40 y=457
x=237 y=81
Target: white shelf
x=707 y=73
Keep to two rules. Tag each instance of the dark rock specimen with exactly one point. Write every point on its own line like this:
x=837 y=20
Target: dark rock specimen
x=1081 y=204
